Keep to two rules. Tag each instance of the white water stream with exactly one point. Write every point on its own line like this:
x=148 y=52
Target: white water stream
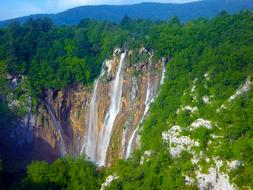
x=97 y=141
x=89 y=146
x=148 y=100
x=58 y=128
x=163 y=71
x=114 y=109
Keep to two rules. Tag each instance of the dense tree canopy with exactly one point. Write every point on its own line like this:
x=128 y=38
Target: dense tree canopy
x=65 y=173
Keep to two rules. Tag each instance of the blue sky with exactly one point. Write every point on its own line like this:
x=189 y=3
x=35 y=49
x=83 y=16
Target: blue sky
x=16 y=8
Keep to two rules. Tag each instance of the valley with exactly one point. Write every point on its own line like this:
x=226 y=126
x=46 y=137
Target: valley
x=138 y=104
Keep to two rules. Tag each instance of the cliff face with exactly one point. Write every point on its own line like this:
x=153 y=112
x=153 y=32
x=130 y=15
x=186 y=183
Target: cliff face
x=60 y=122
x=100 y=121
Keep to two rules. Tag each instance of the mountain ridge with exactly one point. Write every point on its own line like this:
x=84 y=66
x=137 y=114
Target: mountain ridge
x=145 y=10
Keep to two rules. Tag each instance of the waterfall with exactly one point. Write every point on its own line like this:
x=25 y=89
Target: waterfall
x=58 y=128
x=90 y=140
x=131 y=140
x=149 y=93
x=89 y=147
x=97 y=137
x=148 y=100
x=163 y=71
x=112 y=113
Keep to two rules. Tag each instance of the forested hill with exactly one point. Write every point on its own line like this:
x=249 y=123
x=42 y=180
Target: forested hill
x=152 y=11
x=198 y=133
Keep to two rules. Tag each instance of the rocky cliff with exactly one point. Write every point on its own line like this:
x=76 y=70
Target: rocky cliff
x=100 y=121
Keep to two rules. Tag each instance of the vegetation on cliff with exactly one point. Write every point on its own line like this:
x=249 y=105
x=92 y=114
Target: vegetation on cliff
x=211 y=60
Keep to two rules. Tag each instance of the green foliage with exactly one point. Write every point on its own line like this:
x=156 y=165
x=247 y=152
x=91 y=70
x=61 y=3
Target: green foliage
x=55 y=57
x=157 y=172
x=3 y=77
x=222 y=48
x=202 y=134
x=65 y=173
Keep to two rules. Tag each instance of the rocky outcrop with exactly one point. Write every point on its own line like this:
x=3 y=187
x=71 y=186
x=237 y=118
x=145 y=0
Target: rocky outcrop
x=214 y=178
x=108 y=181
x=242 y=89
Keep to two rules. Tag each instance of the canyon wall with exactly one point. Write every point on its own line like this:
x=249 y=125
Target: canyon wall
x=100 y=121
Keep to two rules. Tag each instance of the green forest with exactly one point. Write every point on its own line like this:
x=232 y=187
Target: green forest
x=54 y=57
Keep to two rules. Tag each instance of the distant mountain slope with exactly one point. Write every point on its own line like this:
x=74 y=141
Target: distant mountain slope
x=152 y=11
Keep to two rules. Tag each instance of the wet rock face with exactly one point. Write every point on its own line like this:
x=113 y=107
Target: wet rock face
x=134 y=92
x=60 y=123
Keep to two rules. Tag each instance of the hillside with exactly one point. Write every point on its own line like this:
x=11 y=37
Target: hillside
x=152 y=11
x=134 y=105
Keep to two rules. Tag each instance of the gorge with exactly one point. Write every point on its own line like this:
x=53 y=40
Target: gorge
x=100 y=121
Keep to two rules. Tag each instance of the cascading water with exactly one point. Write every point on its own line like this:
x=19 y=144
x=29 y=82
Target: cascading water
x=58 y=128
x=98 y=129
x=130 y=143
x=100 y=122
x=114 y=109
x=149 y=94
x=90 y=140
x=148 y=100
x=163 y=71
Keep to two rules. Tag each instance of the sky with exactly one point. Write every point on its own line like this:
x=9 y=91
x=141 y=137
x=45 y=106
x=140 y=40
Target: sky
x=16 y=8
